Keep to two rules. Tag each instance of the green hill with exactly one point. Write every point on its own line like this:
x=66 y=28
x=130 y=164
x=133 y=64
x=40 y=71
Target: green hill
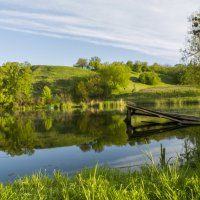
x=61 y=78
x=58 y=78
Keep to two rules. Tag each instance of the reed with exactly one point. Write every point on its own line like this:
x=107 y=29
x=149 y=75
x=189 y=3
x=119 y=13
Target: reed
x=150 y=182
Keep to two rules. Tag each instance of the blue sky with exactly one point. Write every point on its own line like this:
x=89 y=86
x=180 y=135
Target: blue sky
x=58 y=32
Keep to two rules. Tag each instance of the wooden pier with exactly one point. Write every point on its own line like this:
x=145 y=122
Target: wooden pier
x=132 y=109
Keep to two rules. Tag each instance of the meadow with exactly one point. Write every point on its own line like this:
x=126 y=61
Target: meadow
x=60 y=79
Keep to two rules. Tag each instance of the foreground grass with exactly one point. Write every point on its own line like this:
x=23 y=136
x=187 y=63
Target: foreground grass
x=104 y=183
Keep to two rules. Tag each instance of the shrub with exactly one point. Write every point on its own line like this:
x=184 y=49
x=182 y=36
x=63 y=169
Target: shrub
x=92 y=87
x=149 y=78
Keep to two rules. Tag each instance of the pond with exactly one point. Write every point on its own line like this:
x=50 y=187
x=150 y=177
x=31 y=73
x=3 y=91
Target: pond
x=48 y=141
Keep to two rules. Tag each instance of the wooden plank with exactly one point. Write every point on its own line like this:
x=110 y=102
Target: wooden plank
x=186 y=117
x=183 y=119
x=154 y=113
x=172 y=115
x=189 y=117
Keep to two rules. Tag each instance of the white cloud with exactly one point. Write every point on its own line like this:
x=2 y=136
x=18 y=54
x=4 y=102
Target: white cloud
x=154 y=27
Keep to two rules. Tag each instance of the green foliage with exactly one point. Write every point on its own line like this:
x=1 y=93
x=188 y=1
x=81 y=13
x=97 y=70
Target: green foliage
x=16 y=84
x=191 y=53
x=150 y=182
x=80 y=92
x=95 y=63
x=176 y=72
x=91 y=87
x=82 y=63
x=140 y=67
x=100 y=85
x=18 y=135
x=130 y=64
x=46 y=95
x=24 y=87
x=60 y=79
x=115 y=75
x=18 y=81
x=149 y=78
x=191 y=75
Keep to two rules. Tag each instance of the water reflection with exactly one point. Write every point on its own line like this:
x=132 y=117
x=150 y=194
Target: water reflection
x=71 y=141
x=25 y=132
x=150 y=129
x=17 y=135
x=22 y=133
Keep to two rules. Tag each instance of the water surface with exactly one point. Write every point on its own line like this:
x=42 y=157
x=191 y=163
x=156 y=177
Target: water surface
x=68 y=142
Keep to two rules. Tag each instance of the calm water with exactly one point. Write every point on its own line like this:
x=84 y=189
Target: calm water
x=68 y=142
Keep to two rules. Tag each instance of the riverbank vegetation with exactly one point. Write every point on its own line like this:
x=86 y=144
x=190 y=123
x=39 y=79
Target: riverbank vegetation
x=152 y=181
x=23 y=86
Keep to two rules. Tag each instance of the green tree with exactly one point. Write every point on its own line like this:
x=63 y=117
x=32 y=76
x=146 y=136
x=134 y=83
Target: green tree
x=149 y=78
x=82 y=63
x=115 y=75
x=89 y=88
x=130 y=64
x=24 y=87
x=140 y=67
x=81 y=91
x=191 y=75
x=191 y=53
x=46 y=95
x=16 y=84
x=95 y=63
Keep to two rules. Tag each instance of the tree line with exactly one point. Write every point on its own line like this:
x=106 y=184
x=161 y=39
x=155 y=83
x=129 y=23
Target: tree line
x=17 y=83
x=16 y=79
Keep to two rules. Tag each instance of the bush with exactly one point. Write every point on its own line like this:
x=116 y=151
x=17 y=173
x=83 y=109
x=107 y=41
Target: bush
x=89 y=88
x=149 y=78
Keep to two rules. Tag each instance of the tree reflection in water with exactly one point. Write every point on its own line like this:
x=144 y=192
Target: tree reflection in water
x=25 y=132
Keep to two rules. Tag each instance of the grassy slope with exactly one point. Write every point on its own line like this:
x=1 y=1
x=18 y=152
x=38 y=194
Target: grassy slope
x=60 y=79
x=60 y=76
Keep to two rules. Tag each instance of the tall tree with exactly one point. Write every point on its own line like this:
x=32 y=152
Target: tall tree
x=16 y=84
x=24 y=86
x=46 y=95
x=191 y=53
x=82 y=63
x=95 y=63
x=140 y=66
x=130 y=64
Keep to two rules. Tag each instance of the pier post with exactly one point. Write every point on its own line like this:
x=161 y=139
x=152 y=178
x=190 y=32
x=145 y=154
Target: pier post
x=128 y=117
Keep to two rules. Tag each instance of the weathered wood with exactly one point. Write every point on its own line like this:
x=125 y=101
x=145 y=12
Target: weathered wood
x=180 y=119
x=129 y=112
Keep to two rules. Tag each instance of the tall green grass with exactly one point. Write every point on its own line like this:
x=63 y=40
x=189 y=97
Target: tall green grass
x=178 y=95
x=151 y=182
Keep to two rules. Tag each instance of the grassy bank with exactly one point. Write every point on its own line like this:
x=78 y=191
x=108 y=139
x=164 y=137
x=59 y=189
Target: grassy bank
x=159 y=95
x=103 y=183
x=61 y=80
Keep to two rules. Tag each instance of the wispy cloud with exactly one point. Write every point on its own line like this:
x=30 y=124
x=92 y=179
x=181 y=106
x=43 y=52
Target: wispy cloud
x=152 y=27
